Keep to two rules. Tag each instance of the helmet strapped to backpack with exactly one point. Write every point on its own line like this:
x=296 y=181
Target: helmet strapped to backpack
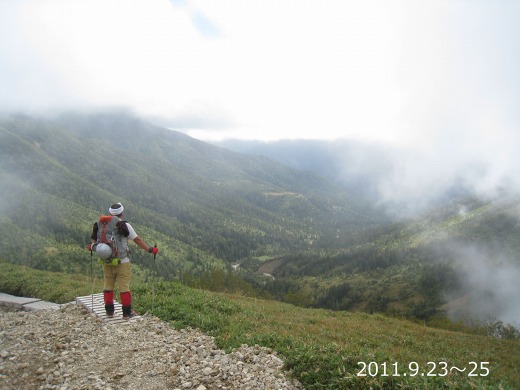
x=104 y=251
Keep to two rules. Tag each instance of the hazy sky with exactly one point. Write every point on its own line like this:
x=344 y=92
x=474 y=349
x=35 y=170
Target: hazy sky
x=417 y=72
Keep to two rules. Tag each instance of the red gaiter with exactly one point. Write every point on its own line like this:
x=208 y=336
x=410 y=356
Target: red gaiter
x=126 y=298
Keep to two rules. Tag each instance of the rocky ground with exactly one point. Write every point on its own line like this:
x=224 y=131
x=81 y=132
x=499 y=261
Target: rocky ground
x=71 y=349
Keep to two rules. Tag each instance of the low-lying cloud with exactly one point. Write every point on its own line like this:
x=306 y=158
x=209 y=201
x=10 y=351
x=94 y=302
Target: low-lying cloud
x=490 y=279
x=415 y=181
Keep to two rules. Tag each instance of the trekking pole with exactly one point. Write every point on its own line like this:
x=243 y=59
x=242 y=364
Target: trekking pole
x=154 y=272
x=91 y=280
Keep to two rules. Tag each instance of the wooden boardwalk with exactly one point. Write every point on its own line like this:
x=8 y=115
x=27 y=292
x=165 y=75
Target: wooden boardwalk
x=95 y=304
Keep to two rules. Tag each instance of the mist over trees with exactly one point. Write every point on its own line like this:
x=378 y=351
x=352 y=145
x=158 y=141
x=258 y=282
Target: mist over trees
x=219 y=217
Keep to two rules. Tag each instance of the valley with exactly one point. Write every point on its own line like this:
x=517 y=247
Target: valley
x=298 y=235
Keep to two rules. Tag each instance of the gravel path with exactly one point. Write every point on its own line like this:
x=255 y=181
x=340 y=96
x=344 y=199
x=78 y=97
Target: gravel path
x=71 y=349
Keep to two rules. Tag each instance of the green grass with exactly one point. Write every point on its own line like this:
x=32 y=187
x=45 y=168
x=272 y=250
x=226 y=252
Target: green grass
x=321 y=348
x=49 y=286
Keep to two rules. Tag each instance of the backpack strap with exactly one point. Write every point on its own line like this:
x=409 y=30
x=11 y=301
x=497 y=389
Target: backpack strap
x=122 y=229
x=104 y=222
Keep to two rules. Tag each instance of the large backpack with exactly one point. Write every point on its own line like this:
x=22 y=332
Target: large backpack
x=110 y=231
x=107 y=232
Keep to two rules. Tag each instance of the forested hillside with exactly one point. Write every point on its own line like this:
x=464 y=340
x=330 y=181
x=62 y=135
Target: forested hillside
x=205 y=206
x=461 y=261
x=357 y=166
x=237 y=223
x=454 y=247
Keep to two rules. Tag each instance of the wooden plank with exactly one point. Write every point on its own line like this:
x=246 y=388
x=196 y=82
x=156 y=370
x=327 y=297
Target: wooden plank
x=96 y=305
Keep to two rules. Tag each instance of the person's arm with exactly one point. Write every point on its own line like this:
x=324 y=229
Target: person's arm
x=141 y=244
x=139 y=241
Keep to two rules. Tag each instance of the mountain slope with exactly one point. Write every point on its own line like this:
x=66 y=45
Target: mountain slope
x=208 y=208
x=205 y=206
x=406 y=181
x=357 y=166
x=322 y=349
x=465 y=252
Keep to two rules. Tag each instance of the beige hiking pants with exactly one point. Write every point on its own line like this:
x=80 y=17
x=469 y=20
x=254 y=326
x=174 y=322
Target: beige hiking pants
x=121 y=274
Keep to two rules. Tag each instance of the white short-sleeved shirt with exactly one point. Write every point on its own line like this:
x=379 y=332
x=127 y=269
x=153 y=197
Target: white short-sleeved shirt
x=124 y=241
x=132 y=232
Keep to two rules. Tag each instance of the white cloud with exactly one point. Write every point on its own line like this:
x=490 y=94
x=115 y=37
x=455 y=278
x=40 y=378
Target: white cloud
x=408 y=72
x=491 y=279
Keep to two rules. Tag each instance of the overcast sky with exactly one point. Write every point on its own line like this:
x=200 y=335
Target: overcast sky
x=418 y=72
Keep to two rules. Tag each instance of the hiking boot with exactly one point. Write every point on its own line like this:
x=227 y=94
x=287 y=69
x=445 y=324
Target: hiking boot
x=130 y=315
x=109 y=309
x=128 y=312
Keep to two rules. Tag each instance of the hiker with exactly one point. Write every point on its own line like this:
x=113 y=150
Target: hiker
x=111 y=234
